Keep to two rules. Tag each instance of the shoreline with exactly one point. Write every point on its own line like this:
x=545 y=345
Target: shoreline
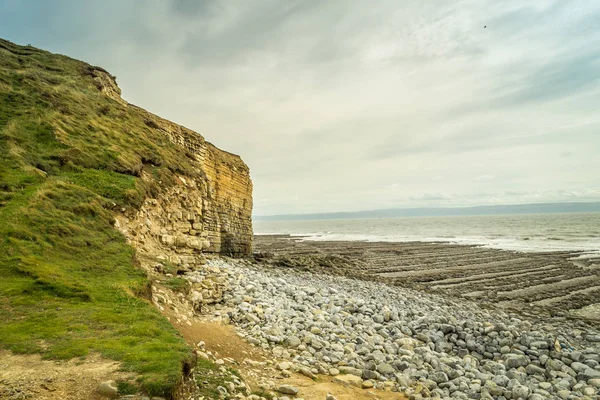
x=485 y=243
x=548 y=284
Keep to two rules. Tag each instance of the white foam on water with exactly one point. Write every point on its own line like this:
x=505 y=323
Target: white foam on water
x=592 y=249
x=530 y=233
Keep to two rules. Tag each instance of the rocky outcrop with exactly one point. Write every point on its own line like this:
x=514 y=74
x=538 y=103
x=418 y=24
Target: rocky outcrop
x=209 y=213
x=105 y=83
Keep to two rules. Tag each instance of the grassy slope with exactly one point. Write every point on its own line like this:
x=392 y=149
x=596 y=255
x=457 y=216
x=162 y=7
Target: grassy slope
x=68 y=156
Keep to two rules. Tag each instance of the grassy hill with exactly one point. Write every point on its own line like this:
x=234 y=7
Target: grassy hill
x=69 y=156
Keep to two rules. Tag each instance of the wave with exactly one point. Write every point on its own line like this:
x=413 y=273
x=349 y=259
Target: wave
x=527 y=244
x=537 y=233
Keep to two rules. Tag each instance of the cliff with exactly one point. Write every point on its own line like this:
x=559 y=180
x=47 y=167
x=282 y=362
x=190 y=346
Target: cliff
x=93 y=190
x=209 y=210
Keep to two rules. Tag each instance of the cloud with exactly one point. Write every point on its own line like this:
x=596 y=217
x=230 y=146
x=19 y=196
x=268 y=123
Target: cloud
x=347 y=105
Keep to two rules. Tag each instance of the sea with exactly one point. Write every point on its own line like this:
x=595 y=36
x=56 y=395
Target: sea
x=526 y=233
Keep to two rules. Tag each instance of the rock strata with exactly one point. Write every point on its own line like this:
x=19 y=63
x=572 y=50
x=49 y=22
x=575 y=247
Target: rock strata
x=208 y=210
x=555 y=283
x=210 y=215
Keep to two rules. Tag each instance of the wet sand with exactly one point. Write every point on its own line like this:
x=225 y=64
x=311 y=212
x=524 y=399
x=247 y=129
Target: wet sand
x=554 y=283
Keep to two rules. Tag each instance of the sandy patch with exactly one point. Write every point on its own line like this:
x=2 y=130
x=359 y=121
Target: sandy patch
x=223 y=341
x=29 y=377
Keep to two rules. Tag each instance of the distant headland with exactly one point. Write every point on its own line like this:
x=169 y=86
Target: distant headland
x=536 y=208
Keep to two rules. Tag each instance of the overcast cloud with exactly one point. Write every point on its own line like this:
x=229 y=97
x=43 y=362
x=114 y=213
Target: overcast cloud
x=348 y=105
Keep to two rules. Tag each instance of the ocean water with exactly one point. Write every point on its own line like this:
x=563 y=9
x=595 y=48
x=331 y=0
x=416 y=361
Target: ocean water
x=527 y=233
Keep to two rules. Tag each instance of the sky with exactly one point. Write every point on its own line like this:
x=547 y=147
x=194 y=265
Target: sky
x=349 y=105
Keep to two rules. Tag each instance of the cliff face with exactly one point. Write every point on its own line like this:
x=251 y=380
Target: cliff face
x=208 y=214
x=74 y=156
x=213 y=214
x=76 y=160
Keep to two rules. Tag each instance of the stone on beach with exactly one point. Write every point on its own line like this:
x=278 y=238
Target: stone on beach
x=349 y=380
x=108 y=389
x=288 y=389
x=284 y=365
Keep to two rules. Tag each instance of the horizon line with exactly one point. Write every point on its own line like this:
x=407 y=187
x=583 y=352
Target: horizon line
x=441 y=209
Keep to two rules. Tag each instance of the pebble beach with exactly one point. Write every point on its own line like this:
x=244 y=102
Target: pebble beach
x=373 y=335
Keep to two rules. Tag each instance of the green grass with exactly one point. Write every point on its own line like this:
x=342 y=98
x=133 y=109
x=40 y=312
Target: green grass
x=177 y=284
x=209 y=376
x=69 y=156
x=126 y=388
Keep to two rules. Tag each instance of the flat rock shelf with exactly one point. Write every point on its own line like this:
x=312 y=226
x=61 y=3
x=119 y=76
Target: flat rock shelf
x=559 y=283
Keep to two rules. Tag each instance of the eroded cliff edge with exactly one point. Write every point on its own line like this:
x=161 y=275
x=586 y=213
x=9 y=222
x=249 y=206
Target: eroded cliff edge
x=208 y=212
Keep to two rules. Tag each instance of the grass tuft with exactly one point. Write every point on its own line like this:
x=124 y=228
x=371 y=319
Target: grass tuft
x=178 y=284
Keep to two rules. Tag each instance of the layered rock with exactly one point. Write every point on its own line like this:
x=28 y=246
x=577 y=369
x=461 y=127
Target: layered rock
x=209 y=214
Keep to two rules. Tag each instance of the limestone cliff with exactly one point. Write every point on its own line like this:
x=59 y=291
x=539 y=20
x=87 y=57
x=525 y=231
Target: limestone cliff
x=210 y=214
x=207 y=214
